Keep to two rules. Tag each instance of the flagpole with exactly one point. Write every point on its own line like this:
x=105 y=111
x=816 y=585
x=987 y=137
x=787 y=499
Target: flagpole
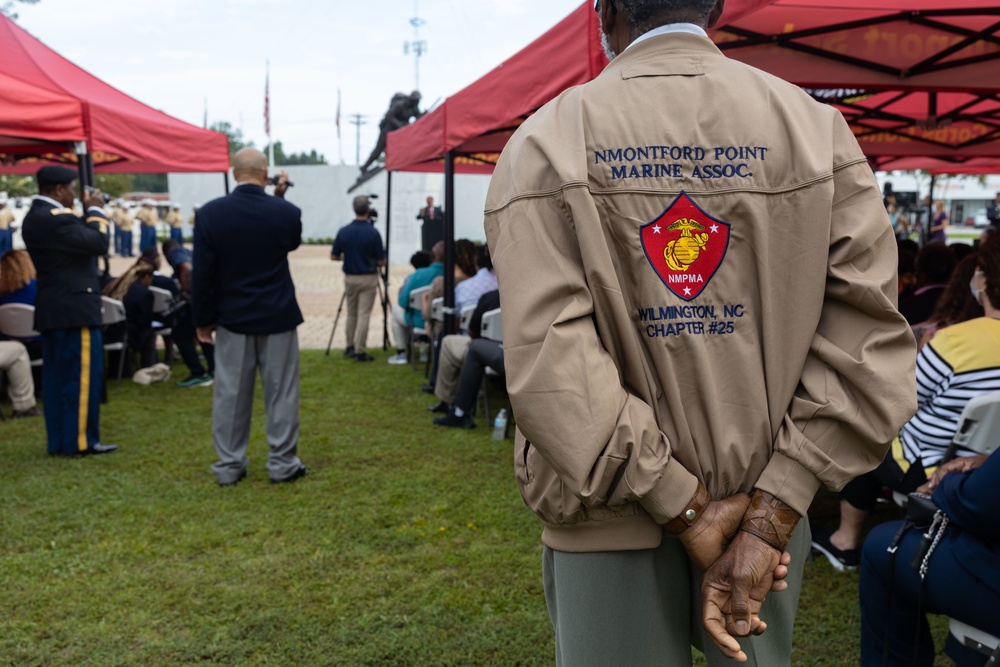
x=340 y=144
x=267 y=114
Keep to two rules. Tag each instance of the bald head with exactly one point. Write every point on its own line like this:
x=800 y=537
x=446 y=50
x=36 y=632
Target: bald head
x=250 y=166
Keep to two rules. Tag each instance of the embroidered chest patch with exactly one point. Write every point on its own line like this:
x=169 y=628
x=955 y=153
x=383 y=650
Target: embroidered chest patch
x=685 y=246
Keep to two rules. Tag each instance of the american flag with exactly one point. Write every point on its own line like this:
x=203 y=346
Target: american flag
x=267 y=102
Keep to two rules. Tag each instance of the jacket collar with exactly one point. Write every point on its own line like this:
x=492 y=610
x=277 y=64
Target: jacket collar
x=657 y=55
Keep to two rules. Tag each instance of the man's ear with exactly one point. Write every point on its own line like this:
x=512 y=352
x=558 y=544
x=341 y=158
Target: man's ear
x=609 y=16
x=716 y=14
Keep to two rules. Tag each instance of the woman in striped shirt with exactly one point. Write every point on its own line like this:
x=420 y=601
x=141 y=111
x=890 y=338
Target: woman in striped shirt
x=961 y=362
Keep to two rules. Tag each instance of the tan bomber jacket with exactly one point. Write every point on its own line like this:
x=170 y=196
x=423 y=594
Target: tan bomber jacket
x=698 y=282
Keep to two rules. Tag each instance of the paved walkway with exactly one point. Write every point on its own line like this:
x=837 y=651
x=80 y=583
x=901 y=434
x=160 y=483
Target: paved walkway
x=319 y=285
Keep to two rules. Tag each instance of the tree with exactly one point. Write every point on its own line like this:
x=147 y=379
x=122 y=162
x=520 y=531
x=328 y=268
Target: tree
x=16 y=185
x=281 y=159
x=235 y=135
x=7 y=7
x=149 y=183
x=114 y=184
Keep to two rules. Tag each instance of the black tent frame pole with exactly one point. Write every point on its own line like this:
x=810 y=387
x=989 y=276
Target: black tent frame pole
x=84 y=165
x=385 y=275
x=226 y=176
x=450 y=323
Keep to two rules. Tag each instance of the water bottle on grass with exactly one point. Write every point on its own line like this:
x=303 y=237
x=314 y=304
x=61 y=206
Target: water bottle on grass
x=500 y=425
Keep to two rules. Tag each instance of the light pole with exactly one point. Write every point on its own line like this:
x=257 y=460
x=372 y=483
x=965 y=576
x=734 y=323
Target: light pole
x=418 y=46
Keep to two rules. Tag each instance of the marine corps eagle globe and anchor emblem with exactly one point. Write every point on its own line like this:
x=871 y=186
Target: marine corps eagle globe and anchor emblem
x=685 y=246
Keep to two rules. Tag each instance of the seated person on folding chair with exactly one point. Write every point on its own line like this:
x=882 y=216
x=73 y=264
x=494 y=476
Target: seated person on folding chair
x=15 y=364
x=402 y=314
x=182 y=261
x=18 y=284
x=468 y=293
x=962 y=579
x=132 y=289
x=961 y=362
x=454 y=351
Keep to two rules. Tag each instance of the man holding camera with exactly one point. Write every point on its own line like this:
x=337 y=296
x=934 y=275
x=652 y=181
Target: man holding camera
x=64 y=249
x=243 y=292
x=359 y=246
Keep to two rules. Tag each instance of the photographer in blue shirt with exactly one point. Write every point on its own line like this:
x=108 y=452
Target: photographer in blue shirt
x=359 y=246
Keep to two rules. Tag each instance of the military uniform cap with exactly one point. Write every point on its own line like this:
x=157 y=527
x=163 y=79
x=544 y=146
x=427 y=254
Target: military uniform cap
x=55 y=175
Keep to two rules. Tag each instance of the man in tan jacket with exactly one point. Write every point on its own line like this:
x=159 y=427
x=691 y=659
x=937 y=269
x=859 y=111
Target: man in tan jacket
x=698 y=282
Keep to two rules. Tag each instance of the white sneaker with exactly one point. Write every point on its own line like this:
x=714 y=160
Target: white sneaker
x=398 y=359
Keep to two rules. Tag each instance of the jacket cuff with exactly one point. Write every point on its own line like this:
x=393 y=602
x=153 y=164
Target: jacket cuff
x=671 y=495
x=789 y=482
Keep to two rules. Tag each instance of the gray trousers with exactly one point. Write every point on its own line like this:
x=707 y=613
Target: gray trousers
x=643 y=608
x=237 y=358
x=453 y=351
x=360 y=293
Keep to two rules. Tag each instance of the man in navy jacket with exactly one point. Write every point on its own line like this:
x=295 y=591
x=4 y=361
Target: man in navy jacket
x=243 y=292
x=64 y=249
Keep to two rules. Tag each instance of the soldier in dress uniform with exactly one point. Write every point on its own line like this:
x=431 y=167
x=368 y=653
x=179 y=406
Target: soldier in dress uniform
x=148 y=217
x=125 y=223
x=116 y=216
x=64 y=248
x=176 y=222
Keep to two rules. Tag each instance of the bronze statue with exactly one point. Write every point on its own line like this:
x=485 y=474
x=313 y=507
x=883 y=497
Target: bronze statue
x=401 y=109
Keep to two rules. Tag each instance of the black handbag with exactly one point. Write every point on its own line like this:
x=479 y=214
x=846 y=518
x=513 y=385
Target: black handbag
x=920 y=509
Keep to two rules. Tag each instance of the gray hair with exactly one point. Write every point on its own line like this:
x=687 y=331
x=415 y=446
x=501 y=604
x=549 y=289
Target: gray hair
x=644 y=15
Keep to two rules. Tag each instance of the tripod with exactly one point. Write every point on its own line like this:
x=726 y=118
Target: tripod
x=340 y=309
x=382 y=297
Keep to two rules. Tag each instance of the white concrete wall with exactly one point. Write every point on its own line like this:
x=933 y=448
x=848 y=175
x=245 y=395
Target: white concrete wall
x=321 y=193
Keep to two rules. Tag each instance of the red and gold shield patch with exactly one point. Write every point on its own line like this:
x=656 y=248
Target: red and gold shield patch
x=686 y=246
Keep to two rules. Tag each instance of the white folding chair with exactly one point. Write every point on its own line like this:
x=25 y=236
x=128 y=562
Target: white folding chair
x=977 y=433
x=976 y=639
x=17 y=320
x=161 y=300
x=490 y=329
x=415 y=305
x=465 y=317
x=437 y=309
x=113 y=312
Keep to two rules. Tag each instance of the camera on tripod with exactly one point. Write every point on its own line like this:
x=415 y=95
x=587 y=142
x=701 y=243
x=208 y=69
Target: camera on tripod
x=372 y=211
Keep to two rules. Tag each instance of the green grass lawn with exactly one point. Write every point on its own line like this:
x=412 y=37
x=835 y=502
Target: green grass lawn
x=407 y=544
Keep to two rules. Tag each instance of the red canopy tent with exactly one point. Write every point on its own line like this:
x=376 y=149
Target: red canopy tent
x=475 y=123
x=469 y=130
x=919 y=48
x=48 y=104
x=872 y=45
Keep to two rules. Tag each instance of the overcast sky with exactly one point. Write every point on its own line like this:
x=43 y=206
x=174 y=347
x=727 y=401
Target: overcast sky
x=175 y=54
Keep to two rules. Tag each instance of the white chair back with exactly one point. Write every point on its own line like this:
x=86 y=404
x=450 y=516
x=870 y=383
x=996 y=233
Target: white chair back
x=112 y=311
x=17 y=320
x=417 y=297
x=465 y=317
x=979 y=426
x=492 y=328
x=437 y=309
x=161 y=298
x=976 y=639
